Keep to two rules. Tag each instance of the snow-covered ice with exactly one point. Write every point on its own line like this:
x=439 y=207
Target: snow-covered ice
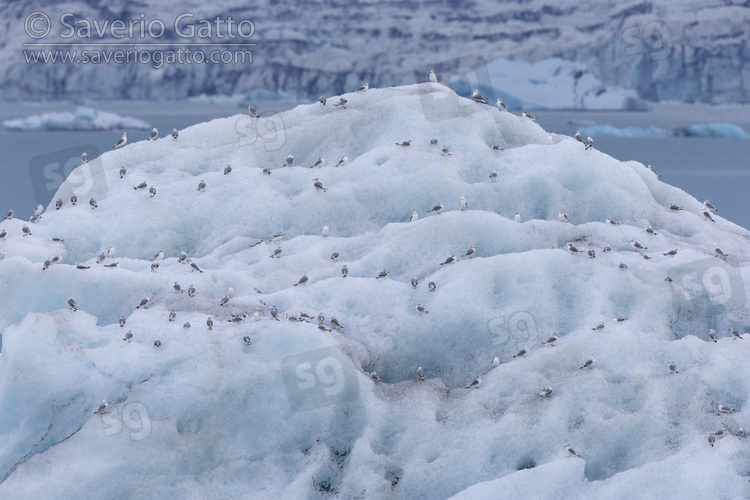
x=293 y=412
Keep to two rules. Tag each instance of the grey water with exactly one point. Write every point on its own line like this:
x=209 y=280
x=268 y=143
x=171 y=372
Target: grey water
x=33 y=164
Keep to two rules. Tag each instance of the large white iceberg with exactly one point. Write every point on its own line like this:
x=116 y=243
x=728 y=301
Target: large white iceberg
x=296 y=414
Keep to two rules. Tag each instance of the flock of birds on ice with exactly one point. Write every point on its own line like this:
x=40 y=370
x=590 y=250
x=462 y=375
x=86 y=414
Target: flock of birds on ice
x=260 y=311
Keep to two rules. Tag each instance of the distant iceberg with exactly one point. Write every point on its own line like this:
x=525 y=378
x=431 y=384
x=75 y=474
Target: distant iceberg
x=725 y=130
x=84 y=118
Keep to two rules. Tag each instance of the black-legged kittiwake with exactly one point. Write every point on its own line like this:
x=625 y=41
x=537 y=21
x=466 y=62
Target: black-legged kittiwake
x=528 y=115
x=404 y=143
x=154 y=134
x=73 y=199
x=493 y=176
x=547 y=392
x=562 y=217
x=85 y=157
x=210 y=323
x=325 y=231
x=437 y=208
x=673 y=367
x=73 y=304
x=319 y=185
x=364 y=87
x=202 y=185
x=551 y=340
x=172 y=315
x=736 y=334
x=478 y=97
x=571 y=451
x=501 y=105
x=382 y=274
x=253 y=112
x=475 y=383
x=128 y=336
x=335 y=256
x=588 y=364
x=304 y=279
x=712 y=335
x=191 y=291
x=522 y=352
x=708 y=205
x=469 y=253
x=144 y=303
x=422 y=310
x=450 y=260
x=342 y=161
x=462 y=204
x=123 y=140
x=719 y=252
x=322 y=100
x=194 y=267
x=420 y=374
x=495 y=362
x=342 y=103
x=600 y=326
x=414 y=216
x=433 y=78
x=175 y=134
x=414 y=282
x=92 y=202
x=276 y=253
x=432 y=286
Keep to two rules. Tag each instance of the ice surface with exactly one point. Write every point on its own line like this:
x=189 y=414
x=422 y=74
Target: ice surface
x=295 y=414
x=83 y=118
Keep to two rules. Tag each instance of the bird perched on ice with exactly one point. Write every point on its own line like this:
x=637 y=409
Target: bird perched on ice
x=128 y=336
x=253 y=112
x=202 y=185
x=546 y=392
x=493 y=176
x=420 y=374
x=719 y=252
x=522 y=352
x=191 y=291
x=501 y=105
x=85 y=157
x=590 y=144
x=186 y=325
x=172 y=315
x=102 y=407
x=673 y=367
x=364 y=87
x=210 y=323
x=73 y=199
x=450 y=260
x=551 y=340
x=342 y=161
x=414 y=216
x=725 y=409
x=528 y=115
x=322 y=100
x=592 y=253
x=600 y=326
x=382 y=274
x=319 y=185
x=495 y=362
x=421 y=310
x=579 y=137
x=58 y=204
x=122 y=321
x=304 y=279
x=573 y=248
x=712 y=335
x=708 y=205
x=444 y=151
x=154 y=135
x=736 y=334
x=123 y=140
x=144 y=303
x=319 y=163
x=637 y=245
x=475 y=383
x=374 y=376
x=432 y=286
x=433 y=78
x=157 y=342
x=469 y=253
x=152 y=190
x=588 y=364
x=246 y=339
x=93 y=204
x=517 y=217
x=478 y=97
x=26 y=231
x=142 y=185
x=73 y=304
x=611 y=221
x=344 y=271
x=562 y=217
x=707 y=215
x=437 y=208
x=227 y=169
x=404 y=143
x=325 y=232
x=276 y=253
x=175 y=134
x=462 y=203
x=571 y=451
x=342 y=103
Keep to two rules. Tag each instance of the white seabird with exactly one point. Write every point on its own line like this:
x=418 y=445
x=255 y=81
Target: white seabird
x=450 y=260
x=470 y=252
x=277 y=237
x=712 y=335
x=708 y=205
x=194 y=267
x=319 y=185
x=592 y=253
x=344 y=270
x=274 y=313
x=414 y=216
x=321 y=161
x=304 y=279
x=600 y=326
x=522 y=352
x=172 y=315
x=364 y=87
x=210 y=323
x=142 y=185
x=562 y=217
x=227 y=169
x=9 y=214
x=342 y=103
x=322 y=100
x=579 y=137
x=673 y=367
x=202 y=185
x=152 y=190
x=382 y=274
x=493 y=176
x=612 y=221
x=325 y=232
x=671 y=253
x=551 y=340
x=92 y=202
x=475 y=383
x=528 y=115
x=432 y=286
x=253 y=112
x=159 y=255
x=26 y=231
x=58 y=203
x=648 y=167
x=186 y=325
x=719 y=252
x=191 y=291
x=154 y=267
x=590 y=144
x=637 y=245
x=73 y=304
x=175 y=134
x=420 y=374
x=437 y=208
x=144 y=303
x=100 y=258
x=517 y=217
x=85 y=157
x=462 y=203
x=495 y=362
x=546 y=392
x=38 y=210
x=73 y=199
x=266 y=171
x=336 y=323
x=707 y=215
x=588 y=364
x=335 y=256
x=102 y=407
x=404 y=143
x=128 y=336
x=276 y=253
x=573 y=248
x=246 y=339
x=414 y=282
x=478 y=97
x=674 y=207
x=623 y=265
x=422 y=310
x=501 y=105
x=122 y=321
x=444 y=151
x=157 y=342
x=154 y=135
x=736 y=334
x=342 y=161
x=374 y=376
x=571 y=451
x=433 y=78
x=123 y=140
x=81 y=266
x=725 y=409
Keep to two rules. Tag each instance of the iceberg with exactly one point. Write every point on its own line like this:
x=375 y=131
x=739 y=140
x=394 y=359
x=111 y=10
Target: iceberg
x=270 y=401
x=84 y=118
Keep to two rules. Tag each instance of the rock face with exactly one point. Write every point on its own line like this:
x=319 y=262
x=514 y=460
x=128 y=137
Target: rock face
x=686 y=51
